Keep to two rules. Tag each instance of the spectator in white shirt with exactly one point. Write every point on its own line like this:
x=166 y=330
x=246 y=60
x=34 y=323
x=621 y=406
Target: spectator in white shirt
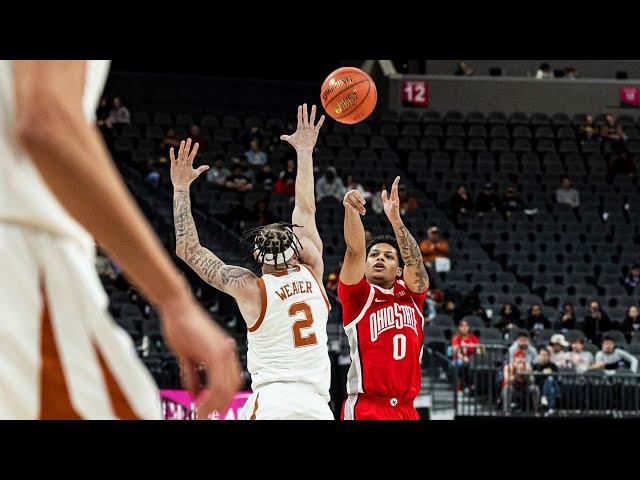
x=544 y=71
x=567 y=194
x=580 y=359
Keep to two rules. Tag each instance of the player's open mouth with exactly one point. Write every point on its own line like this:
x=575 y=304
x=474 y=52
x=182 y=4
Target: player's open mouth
x=378 y=267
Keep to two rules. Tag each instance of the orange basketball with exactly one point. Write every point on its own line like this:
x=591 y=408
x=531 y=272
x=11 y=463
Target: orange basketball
x=348 y=95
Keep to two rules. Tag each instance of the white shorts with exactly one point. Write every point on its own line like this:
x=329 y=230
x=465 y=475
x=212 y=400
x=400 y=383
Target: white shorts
x=61 y=354
x=286 y=401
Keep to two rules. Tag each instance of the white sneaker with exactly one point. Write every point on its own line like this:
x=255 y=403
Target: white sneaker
x=544 y=401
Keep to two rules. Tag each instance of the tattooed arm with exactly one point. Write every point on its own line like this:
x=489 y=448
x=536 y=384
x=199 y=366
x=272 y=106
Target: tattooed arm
x=238 y=282
x=414 y=273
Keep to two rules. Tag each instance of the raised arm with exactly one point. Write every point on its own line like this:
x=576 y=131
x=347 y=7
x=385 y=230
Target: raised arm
x=73 y=161
x=414 y=273
x=354 y=258
x=304 y=213
x=238 y=282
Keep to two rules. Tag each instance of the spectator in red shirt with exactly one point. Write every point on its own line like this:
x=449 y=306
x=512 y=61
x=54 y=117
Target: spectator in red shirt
x=464 y=345
x=286 y=184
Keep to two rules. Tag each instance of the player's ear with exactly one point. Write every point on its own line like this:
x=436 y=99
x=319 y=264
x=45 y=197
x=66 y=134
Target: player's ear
x=399 y=273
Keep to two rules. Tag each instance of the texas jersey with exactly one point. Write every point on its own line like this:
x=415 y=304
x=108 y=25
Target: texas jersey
x=25 y=198
x=288 y=342
x=385 y=329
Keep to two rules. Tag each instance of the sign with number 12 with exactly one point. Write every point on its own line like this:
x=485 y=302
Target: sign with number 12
x=415 y=93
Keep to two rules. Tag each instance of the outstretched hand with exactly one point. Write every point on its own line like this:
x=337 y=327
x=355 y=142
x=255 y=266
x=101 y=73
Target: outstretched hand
x=392 y=203
x=306 y=134
x=182 y=171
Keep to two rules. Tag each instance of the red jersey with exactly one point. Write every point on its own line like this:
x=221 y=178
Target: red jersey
x=467 y=344
x=385 y=329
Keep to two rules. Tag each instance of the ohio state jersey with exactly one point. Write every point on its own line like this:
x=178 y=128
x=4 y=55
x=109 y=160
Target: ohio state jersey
x=385 y=329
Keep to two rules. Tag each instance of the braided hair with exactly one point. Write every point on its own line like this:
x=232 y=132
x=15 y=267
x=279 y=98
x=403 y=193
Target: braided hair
x=275 y=243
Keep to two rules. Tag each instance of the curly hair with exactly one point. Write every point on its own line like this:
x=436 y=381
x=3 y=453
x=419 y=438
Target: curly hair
x=273 y=240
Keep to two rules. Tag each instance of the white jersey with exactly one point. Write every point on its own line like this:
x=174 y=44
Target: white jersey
x=288 y=342
x=25 y=198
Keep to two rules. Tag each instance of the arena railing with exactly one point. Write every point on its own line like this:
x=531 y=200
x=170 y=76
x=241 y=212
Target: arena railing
x=480 y=390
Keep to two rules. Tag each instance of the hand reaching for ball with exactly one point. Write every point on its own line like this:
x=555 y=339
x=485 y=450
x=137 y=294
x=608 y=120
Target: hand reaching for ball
x=306 y=134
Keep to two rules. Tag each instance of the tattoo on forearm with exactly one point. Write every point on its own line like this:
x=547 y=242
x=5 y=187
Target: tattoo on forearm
x=215 y=272
x=412 y=257
x=186 y=232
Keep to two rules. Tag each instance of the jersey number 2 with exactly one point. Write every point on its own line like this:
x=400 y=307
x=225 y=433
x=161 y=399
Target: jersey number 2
x=300 y=340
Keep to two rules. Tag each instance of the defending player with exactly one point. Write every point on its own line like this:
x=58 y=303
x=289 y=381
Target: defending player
x=286 y=309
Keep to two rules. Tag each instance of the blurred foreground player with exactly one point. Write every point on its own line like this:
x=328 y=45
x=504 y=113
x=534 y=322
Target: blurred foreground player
x=286 y=309
x=61 y=355
x=382 y=288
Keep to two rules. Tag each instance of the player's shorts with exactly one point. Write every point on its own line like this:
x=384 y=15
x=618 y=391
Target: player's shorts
x=61 y=355
x=286 y=401
x=367 y=407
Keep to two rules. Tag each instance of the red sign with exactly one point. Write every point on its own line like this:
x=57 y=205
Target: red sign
x=630 y=96
x=415 y=93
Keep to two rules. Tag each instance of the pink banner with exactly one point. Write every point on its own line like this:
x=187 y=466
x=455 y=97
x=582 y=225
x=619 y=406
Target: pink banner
x=630 y=96
x=180 y=405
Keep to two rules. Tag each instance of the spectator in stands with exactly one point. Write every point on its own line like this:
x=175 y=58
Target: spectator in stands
x=407 y=201
x=567 y=194
x=351 y=184
x=464 y=345
x=558 y=355
x=153 y=174
x=119 y=114
x=169 y=141
x=238 y=180
x=588 y=130
x=536 y=320
x=376 y=201
x=522 y=348
x=612 y=358
x=433 y=246
x=544 y=71
x=461 y=202
x=509 y=317
x=218 y=172
x=518 y=384
x=433 y=303
x=330 y=185
x=567 y=320
x=255 y=156
x=579 y=358
x=265 y=177
x=463 y=70
x=632 y=280
x=196 y=137
x=512 y=202
x=631 y=323
x=488 y=200
x=570 y=72
x=546 y=382
x=621 y=160
x=102 y=113
x=286 y=183
x=596 y=321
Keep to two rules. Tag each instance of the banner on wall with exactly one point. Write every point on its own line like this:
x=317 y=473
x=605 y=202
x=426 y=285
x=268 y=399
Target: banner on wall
x=180 y=405
x=630 y=96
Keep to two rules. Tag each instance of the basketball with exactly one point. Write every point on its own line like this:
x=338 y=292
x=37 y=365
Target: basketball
x=348 y=95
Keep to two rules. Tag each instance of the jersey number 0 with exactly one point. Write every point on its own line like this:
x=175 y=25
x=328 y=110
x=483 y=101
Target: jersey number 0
x=300 y=340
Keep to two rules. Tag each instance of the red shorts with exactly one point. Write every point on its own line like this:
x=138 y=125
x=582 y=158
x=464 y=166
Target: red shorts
x=365 y=407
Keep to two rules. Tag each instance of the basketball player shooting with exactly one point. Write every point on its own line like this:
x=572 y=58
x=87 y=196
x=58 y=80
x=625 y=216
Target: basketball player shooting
x=382 y=288
x=62 y=355
x=286 y=309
